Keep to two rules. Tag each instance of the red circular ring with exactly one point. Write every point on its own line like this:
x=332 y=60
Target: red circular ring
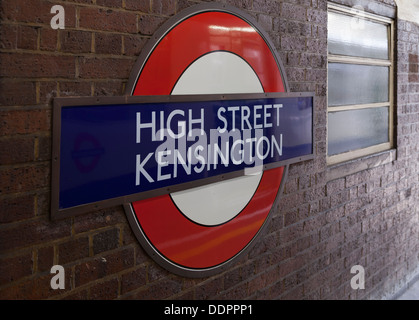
x=176 y=238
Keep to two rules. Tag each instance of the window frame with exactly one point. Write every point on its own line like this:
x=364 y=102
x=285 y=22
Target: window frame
x=335 y=58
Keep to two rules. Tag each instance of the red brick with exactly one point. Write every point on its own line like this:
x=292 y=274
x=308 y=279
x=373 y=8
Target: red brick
x=276 y=289
x=105 y=68
x=75 y=88
x=296 y=28
x=413 y=77
x=147 y=24
x=136 y=5
x=133 y=44
x=96 y=220
x=47 y=91
x=24 y=179
x=317 y=16
x=72 y=250
x=290 y=282
x=293 y=12
x=290 y=217
x=45 y=259
x=296 y=293
x=32 y=232
x=231 y=278
x=75 y=41
x=14 y=268
x=271 y=7
x=156 y=273
x=17 y=149
x=413 y=58
x=413 y=67
x=107 y=20
x=105 y=290
x=163 y=7
x=78 y=295
x=17 y=93
x=290 y=265
x=8 y=36
x=335 y=186
x=107 y=43
x=339 y=198
x=89 y=271
x=265 y=21
x=27 y=38
x=315 y=223
x=105 y=240
x=209 y=289
x=291 y=185
x=24 y=121
x=31 y=65
x=262 y=261
x=110 y=3
x=108 y=88
x=43 y=148
x=17 y=208
x=317 y=46
x=27 y=289
x=314 y=194
x=104 y=265
x=158 y=290
x=49 y=39
x=34 y=11
x=133 y=280
x=141 y=256
x=293 y=43
x=43 y=203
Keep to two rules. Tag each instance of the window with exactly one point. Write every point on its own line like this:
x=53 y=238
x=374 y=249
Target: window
x=360 y=81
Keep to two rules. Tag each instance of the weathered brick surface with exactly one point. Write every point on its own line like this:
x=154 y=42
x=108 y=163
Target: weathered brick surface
x=320 y=227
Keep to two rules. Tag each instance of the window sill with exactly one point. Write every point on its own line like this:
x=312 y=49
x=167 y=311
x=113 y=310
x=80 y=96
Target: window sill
x=340 y=170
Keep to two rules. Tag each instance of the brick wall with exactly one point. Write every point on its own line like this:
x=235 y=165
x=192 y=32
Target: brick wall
x=323 y=225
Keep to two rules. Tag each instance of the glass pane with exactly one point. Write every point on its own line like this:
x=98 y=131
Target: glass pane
x=357 y=84
x=357 y=129
x=357 y=37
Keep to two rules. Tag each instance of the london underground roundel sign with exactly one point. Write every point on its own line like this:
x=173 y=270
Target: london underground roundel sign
x=207 y=49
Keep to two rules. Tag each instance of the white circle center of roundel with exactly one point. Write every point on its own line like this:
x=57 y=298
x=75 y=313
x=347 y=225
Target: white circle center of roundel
x=217 y=72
